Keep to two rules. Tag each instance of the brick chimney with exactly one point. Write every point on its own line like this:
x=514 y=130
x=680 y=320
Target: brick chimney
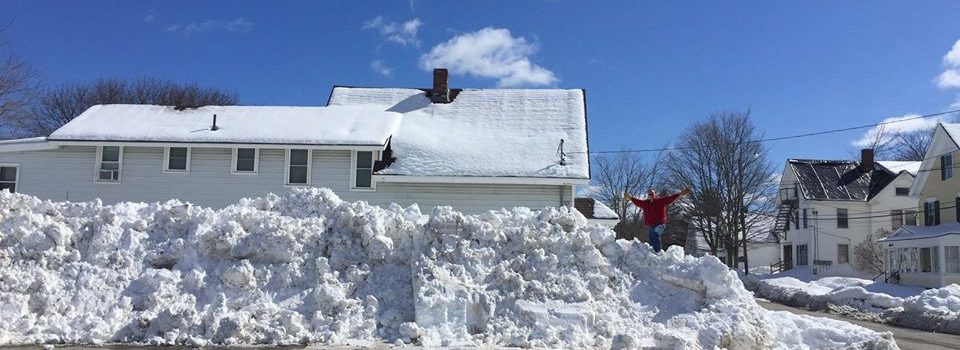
x=441 y=90
x=866 y=159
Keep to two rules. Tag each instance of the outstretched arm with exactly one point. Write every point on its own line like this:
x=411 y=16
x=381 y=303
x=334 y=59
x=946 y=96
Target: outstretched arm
x=632 y=199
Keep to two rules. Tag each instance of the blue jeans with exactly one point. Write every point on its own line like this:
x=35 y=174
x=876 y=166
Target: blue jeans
x=655 y=232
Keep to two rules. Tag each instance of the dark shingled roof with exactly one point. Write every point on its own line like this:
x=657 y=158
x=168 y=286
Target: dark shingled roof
x=840 y=179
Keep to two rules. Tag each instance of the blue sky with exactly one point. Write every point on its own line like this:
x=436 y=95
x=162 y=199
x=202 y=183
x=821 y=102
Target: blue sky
x=650 y=68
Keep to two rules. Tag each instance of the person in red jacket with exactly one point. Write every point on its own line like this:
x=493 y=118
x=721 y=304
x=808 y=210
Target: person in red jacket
x=655 y=212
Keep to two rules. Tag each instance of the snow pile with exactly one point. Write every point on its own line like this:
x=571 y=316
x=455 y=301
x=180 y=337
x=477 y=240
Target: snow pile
x=309 y=267
x=933 y=309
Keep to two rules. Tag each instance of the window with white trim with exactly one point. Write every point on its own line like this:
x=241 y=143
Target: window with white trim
x=109 y=159
x=926 y=260
x=951 y=255
x=8 y=177
x=246 y=160
x=843 y=253
x=298 y=167
x=176 y=159
x=362 y=170
x=802 y=255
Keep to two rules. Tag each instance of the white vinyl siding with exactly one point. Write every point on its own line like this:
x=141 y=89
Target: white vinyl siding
x=245 y=160
x=176 y=159
x=9 y=174
x=109 y=164
x=64 y=174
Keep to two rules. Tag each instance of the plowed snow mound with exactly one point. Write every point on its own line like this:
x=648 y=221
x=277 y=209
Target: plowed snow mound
x=309 y=267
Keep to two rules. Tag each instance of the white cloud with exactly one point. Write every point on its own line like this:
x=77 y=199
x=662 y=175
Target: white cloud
x=380 y=67
x=239 y=24
x=490 y=53
x=889 y=130
x=150 y=16
x=401 y=33
x=950 y=78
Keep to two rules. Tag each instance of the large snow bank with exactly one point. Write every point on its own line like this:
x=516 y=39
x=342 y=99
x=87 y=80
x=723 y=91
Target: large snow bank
x=309 y=267
x=909 y=306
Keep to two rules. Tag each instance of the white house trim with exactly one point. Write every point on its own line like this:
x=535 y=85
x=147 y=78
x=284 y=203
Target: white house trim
x=286 y=168
x=55 y=144
x=166 y=161
x=503 y=180
x=28 y=144
x=256 y=162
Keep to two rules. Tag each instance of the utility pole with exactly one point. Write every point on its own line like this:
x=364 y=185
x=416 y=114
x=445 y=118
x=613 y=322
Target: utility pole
x=743 y=226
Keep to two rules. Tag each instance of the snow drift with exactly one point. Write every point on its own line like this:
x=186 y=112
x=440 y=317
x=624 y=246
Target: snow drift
x=308 y=267
x=935 y=310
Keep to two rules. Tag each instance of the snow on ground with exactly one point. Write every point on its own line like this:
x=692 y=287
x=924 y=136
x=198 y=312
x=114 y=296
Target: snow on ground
x=307 y=267
x=910 y=306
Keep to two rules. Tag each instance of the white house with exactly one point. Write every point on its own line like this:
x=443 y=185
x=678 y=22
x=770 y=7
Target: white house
x=927 y=255
x=826 y=207
x=473 y=149
x=596 y=212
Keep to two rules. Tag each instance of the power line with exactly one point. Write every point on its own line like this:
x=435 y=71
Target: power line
x=781 y=138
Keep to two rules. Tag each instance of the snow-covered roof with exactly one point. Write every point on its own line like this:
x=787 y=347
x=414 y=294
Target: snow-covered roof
x=953 y=129
x=840 y=180
x=485 y=132
x=355 y=125
x=897 y=166
x=918 y=232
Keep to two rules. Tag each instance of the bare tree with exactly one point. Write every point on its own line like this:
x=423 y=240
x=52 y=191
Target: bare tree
x=730 y=178
x=619 y=173
x=868 y=255
x=58 y=106
x=17 y=89
x=912 y=145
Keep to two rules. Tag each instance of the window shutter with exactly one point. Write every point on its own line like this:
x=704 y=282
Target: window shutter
x=926 y=214
x=943 y=169
x=936 y=212
x=956 y=208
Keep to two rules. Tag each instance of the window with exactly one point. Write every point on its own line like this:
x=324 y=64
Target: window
x=363 y=170
x=802 y=255
x=842 y=218
x=108 y=164
x=176 y=159
x=952 y=256
x=946 y=166
x=896 y=219
x=298 y=167
x=805 y=222
x=956 y=208
x=925 y=260
x=931 y=213
x=843 y=253
x=245 y=160
x=892 y=264
x=935 y=258
x=910 y=217
x=8 y=178
x=902 y=191
x=909 y=260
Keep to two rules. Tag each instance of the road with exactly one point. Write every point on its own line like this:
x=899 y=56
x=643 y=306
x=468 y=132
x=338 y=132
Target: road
x=908 y=339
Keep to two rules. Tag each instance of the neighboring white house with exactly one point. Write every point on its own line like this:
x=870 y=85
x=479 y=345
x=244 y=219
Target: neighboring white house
x=827 y=207
x=596 y=212
x=473 y=149
x=928 y=255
